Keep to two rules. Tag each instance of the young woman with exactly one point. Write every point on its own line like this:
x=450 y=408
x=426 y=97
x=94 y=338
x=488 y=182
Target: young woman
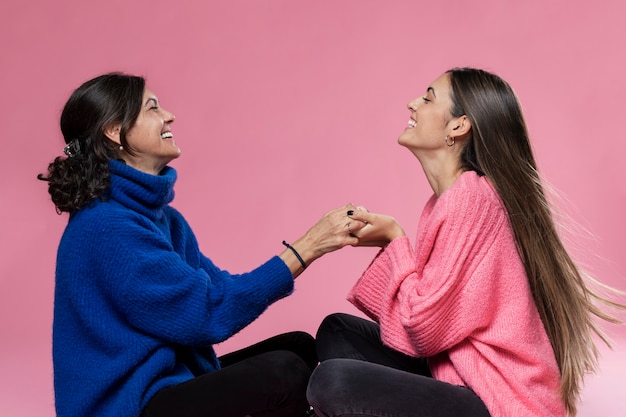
x=487 y=314
x=137 y=305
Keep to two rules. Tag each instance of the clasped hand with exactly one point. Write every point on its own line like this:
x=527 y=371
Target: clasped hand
x=354 y=226
x=343 y=226
x=372 y=229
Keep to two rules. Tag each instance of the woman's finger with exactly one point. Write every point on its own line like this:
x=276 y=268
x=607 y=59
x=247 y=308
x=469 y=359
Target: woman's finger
x=360 y=215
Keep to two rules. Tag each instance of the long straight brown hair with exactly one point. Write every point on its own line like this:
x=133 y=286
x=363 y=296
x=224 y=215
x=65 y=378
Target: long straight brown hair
x=499 y=147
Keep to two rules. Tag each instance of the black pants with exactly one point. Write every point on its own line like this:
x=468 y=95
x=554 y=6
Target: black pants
x=359 y=376
x=265 y=379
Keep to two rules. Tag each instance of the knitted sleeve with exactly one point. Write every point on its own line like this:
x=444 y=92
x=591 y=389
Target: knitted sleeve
x=164 y=286
x=429 y=299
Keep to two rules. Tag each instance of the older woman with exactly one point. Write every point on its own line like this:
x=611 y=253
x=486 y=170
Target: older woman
x=137 y=305
x=487 y=314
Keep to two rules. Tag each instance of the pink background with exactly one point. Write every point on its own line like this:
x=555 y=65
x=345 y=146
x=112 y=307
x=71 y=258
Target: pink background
x=286 y=109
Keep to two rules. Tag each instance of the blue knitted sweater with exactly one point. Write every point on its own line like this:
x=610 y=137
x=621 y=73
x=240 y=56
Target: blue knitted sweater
x=137 y=306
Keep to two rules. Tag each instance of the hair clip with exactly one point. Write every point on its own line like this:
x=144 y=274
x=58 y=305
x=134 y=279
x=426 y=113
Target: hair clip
x=72 y=148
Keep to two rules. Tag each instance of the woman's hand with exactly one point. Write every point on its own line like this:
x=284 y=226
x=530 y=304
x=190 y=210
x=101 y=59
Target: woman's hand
x=333 y=231
x=375 y=229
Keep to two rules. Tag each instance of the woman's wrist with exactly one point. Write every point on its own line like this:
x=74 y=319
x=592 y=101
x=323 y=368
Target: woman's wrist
x=396 y=232
x=306 y=250
x=297 y=256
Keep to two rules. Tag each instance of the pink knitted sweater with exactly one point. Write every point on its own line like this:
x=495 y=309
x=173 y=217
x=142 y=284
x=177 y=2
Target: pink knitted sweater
x=462 y=299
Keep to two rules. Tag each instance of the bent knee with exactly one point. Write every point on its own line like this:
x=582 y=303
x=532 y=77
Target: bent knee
x=332 y=381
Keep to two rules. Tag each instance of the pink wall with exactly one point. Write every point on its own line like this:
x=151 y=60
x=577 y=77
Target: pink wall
x=286 y=109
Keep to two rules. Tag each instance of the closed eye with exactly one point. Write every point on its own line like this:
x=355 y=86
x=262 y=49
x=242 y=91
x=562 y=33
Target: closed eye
x=152 y=103
x=431 y=91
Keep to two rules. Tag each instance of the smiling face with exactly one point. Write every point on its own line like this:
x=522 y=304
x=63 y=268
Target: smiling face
x=151 y=138
x=430 y=120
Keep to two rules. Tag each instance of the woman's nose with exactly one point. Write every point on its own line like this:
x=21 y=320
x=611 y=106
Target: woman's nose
x=412 y=105
x=168 y=117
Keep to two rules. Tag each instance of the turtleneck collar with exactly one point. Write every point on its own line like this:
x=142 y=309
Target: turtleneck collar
x=145 y=193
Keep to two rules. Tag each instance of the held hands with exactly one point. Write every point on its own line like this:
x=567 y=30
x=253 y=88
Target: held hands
x=330 y=233
x=343 y=226
x=373 y=229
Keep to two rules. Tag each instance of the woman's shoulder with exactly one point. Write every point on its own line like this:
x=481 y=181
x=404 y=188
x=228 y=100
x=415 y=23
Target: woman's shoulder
x=101 y=210
x=103 y=219
x=471 y=197
x=109 y=224
x=472 y=189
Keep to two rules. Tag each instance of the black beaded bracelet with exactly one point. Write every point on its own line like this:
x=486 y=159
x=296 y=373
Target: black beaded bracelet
x=295 y=252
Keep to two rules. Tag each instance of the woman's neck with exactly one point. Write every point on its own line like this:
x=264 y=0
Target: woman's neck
x=441 y=173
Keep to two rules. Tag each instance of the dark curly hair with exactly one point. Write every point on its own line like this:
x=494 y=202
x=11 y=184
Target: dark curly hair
x=83 y=176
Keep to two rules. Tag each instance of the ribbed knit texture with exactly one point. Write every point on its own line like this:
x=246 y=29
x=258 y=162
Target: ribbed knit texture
x=137 y=306
x=461 y=298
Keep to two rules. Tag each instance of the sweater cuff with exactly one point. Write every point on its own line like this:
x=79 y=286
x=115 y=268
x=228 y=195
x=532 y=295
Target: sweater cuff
x=392 y=263
x=277 y=283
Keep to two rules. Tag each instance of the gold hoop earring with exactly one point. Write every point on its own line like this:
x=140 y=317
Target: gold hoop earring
x=449 y=143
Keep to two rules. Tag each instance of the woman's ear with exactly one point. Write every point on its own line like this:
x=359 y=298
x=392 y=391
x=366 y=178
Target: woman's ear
x=461 y=126
x=113 y=132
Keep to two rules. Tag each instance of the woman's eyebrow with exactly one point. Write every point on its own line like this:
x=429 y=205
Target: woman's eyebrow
x=153 y=99
x=432 y=90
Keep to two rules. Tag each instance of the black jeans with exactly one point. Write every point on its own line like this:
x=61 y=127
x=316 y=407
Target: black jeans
x=359 y=376
x=265 y=379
